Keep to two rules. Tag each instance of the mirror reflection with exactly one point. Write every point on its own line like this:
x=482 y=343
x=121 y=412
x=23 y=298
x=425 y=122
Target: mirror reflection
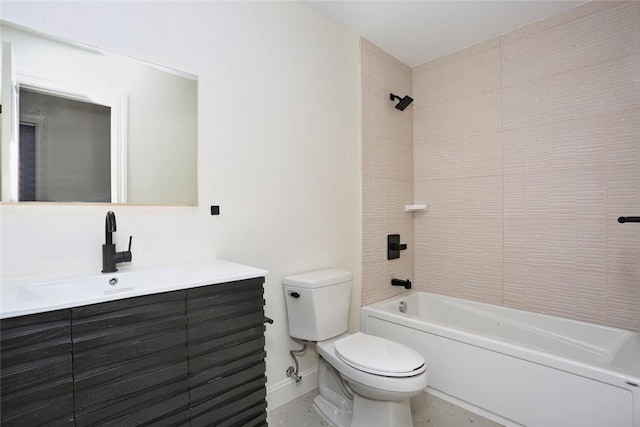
x=83 y=125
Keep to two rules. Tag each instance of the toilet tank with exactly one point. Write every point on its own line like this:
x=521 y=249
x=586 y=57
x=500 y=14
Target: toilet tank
x=318 y=304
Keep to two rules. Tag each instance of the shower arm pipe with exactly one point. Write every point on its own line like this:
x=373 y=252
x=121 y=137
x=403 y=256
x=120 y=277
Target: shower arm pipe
x=624 y=219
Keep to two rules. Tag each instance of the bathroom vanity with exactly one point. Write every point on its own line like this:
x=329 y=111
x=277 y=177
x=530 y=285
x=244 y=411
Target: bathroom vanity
x=187 y=351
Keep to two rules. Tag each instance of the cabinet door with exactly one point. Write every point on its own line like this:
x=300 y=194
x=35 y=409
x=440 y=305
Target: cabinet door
x=36 y=377
x=226 y=354
x=130 y=362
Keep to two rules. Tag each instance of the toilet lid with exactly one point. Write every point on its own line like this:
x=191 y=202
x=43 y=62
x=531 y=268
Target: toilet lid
x=379 y=356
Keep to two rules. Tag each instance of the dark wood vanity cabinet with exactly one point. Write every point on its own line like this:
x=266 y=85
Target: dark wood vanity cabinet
x=189 y=357
x=225 y=324
x=130 y=362
x=36 y=375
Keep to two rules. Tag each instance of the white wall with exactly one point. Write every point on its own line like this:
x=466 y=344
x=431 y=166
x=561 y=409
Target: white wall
x=158 y=121
x=279 y=146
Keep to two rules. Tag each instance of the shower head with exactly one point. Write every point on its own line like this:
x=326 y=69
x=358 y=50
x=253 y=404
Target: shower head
x=404 y=102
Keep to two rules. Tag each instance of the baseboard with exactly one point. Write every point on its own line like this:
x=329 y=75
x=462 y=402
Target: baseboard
x=287 y=390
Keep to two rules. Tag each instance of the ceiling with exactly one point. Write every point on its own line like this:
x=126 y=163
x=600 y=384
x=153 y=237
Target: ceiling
x=418 y=31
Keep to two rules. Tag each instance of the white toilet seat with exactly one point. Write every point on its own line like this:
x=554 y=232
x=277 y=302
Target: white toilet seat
x=379 y=356
x=392 y=384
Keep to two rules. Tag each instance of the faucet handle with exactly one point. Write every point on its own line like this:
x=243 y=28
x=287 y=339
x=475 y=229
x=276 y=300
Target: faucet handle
x=126 y=255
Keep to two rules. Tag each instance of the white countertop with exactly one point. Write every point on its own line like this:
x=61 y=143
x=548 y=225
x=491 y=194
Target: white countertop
x=24 y=296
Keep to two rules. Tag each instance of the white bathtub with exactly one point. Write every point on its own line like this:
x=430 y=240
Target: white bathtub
x=517 y=367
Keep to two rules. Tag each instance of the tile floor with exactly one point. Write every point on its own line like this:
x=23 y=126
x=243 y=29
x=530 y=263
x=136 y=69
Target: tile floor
x=427 y=410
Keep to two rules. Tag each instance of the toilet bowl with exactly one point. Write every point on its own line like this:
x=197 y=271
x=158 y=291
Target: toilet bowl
x=379 y=374
x=363 y=380
x=382 y=375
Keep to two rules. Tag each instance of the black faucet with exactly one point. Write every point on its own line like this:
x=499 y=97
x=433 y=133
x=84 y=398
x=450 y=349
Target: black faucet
x=399 y=282
x=109 y=255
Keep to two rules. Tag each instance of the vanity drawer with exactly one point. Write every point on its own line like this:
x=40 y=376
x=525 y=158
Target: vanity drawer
x=226 y=354
x=130 y=361
x=36 y=379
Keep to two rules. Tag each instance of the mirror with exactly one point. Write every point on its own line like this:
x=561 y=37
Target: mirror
x=80 y=124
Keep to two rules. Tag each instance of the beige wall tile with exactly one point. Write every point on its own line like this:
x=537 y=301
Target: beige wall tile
x=482 y=155
x=482 y=113
x=481 y=72
x=387 y=162
x=622 y=89
x=590 y=85
x=589 y=39
x=526 y=148
x=442 y=121
x=622 y=23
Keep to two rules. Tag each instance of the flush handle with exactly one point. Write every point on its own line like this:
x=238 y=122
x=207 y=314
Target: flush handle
x=294 y=294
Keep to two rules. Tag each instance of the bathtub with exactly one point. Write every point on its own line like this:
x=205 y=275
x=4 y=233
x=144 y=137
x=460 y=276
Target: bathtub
x=517 y=367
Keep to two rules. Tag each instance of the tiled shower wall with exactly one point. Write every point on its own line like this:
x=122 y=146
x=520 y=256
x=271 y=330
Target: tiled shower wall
x=527 y=149
x=387 y=139
x=458 y=172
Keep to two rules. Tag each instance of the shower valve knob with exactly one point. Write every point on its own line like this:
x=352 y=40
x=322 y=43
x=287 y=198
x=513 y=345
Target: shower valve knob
x=398 y=246
x=394 y=246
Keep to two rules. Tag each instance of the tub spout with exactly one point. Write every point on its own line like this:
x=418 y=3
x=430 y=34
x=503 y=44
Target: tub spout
x=400 y=282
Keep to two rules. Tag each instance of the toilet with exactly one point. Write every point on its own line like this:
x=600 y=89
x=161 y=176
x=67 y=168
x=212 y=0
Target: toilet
x=363 y=380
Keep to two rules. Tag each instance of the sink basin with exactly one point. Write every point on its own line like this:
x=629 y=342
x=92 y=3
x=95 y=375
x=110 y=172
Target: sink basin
x=96 y=287
x=90 y=287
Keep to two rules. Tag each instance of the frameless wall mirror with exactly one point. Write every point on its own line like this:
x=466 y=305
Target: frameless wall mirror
x=80 y=124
